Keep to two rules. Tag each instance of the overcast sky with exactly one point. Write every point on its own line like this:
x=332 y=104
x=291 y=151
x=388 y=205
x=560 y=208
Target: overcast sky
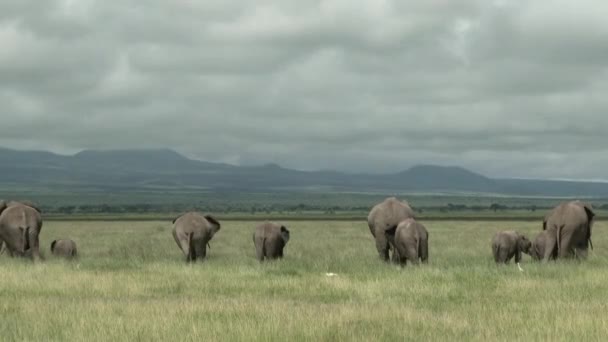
x=505 y=88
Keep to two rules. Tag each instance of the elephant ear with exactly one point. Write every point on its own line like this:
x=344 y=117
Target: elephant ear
x=2 y=206
x=213 y=222
x=284 y=234
x=53 y=245
x=589 y=212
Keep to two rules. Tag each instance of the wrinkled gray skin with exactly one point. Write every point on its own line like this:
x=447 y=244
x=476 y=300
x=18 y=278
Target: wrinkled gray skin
x=509 y=244
x=569 y=225
x=411 y=241
x=386 y=216
x=269 y=239
x=537 y=251
x=64 y=248
x=20 y=225
x=192 y=232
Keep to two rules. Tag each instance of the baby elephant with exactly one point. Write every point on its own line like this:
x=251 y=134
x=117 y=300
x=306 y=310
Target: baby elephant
x=64 y=248
x=411 y=242
x=269 y=239
x=540 y=244
x=507 y=244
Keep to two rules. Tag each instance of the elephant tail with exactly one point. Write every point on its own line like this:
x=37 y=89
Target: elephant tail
x=191 y=253
x=559 y=234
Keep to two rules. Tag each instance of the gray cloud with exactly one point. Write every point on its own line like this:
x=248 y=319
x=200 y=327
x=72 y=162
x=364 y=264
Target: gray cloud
x=507 y=88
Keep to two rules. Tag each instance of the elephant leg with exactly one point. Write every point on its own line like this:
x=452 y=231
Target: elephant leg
x=259 y=249
x=200 y=251
x=382 y=246
x=581 y=253
x=550 y=247
x=35 y=247
x=185 y=247
x=395 y=258
x=566 y=250
x=424 y=251
x=503 y=256
x=412 y=253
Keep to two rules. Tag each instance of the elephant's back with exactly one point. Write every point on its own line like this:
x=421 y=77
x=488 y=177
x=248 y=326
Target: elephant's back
x=504 y=237
x=267 y=230
x=65 y=244
x=19 y=215
x=389 y=213
x=190 y=222
x=569 y=213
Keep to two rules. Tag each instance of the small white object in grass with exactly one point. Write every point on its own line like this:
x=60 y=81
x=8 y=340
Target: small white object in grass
x=521 y=269
x=330 y=274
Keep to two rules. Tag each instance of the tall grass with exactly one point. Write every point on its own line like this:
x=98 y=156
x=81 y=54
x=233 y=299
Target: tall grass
x=131 y=284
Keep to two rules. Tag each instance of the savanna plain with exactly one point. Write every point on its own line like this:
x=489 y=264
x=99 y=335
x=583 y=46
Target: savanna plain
x=131 y=283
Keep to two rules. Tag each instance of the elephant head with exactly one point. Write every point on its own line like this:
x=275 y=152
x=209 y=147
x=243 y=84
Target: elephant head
x=524 y=244
x=284 y=234
x=2 y=206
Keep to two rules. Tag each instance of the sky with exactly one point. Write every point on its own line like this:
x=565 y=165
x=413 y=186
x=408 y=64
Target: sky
x=504 y=88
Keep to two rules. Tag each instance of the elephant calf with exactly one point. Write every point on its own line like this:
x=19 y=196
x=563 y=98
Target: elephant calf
x=541 y=244
x=509 y=244
x=64 y=248
x=269 y=239
x=411 y=242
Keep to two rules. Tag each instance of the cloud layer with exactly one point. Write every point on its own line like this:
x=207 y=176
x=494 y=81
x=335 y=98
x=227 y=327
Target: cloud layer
x=507 y=88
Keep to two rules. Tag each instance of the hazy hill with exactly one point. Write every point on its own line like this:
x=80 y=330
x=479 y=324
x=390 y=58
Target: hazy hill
x=167 y=169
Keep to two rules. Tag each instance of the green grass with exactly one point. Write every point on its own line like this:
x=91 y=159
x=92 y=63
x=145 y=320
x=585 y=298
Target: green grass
x=131 y=284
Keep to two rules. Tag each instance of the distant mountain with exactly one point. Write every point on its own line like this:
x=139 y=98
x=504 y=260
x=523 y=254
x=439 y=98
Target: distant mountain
x=125 y=170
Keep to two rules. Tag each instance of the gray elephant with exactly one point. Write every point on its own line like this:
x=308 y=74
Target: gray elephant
x=411 y=241
x=569 y=226
x=192 y=232
x=269 y=239
x=20 y=226
x=508 y=244
x=64 y=248
x=537 y=251
x=386 y=216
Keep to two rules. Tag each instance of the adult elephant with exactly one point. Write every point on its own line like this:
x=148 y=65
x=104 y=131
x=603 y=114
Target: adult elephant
x=383 y=220
x=20 y=225
x=192 y=232
x=569 y=225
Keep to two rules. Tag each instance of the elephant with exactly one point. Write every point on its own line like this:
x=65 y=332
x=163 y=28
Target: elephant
x=269 y=239
x=64 y=248
x=539 y=245
x=192 y=232
x=508 y=244
x=411 y=241
x=386 y=216
x=20 y=226
x=569 y=225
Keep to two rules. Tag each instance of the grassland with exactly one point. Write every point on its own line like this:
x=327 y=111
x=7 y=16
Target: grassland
x=131 y=284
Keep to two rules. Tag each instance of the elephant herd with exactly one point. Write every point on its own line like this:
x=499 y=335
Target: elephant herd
x=566 y=233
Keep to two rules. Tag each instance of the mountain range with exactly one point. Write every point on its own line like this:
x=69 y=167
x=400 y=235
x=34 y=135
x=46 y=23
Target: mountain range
x=166 y=170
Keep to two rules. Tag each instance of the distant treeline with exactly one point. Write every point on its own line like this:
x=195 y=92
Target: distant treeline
x=276 y=208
